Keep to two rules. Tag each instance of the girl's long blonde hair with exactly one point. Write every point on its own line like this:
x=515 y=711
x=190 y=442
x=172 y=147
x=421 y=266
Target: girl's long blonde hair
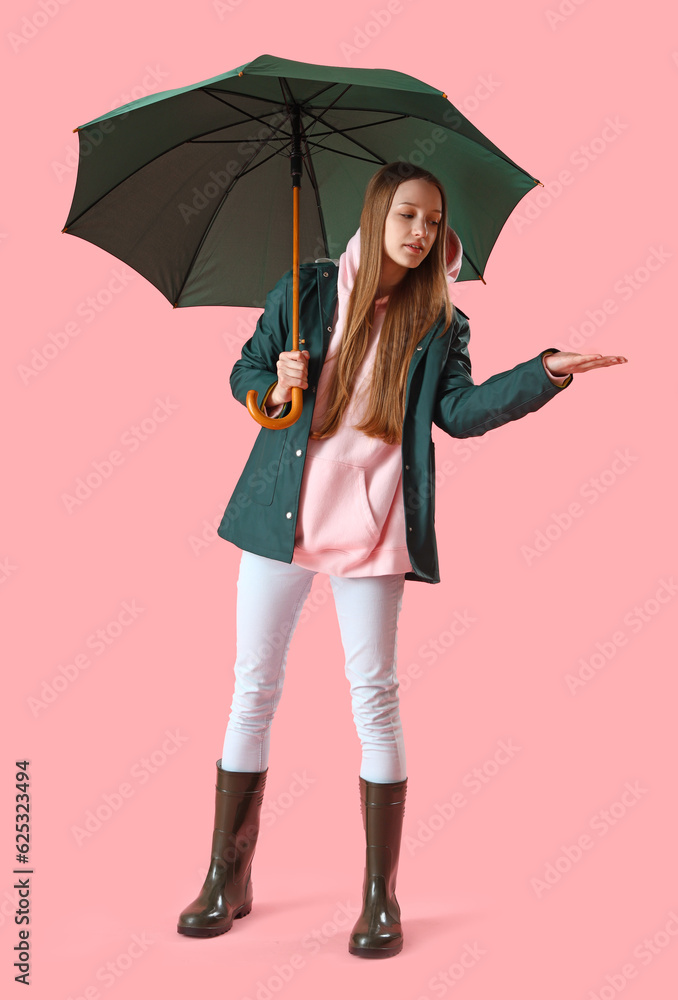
x=413 y=307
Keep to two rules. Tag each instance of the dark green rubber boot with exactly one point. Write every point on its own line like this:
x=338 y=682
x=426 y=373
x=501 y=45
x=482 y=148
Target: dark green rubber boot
x=378 y=933
x=227 y=891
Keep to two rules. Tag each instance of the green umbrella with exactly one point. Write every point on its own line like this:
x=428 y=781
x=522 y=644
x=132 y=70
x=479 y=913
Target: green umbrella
x=190 y=187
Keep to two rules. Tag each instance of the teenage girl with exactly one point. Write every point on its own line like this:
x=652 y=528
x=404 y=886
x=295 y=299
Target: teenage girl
x=348 y=490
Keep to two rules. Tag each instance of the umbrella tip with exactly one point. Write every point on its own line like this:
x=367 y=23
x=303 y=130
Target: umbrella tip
x=64 y=229
x=77 y=129
x=444 y=95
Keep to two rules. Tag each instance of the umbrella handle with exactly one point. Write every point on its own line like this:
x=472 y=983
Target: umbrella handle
x=270 y=422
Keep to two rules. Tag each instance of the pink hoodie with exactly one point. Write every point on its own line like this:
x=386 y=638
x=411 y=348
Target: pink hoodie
x=351 y=516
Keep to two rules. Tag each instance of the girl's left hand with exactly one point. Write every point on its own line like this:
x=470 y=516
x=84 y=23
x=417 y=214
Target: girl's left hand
x=565 y=363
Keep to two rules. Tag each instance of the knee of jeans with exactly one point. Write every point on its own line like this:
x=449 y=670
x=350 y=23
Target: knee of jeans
x=253 y=723
x=384 y=717
x=376 y=696
x=251 y=705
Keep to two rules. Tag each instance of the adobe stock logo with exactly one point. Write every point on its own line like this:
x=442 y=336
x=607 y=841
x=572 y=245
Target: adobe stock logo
x=631 y=282
x=88 y=310
x=141 y=771
x=591 y=491
x=601 y=823
x=565 y=9
x=363 y=36
x=99 y=641
x=474 y=781
x=645 y=952
x=100 y=470
x=635 y=620
x=35 y=22
x=582 y=158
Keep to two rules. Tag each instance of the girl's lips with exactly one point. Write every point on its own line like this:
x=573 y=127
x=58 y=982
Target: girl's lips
x=414 y=248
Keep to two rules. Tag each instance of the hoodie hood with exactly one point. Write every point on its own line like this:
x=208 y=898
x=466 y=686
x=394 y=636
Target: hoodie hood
x=350 y=259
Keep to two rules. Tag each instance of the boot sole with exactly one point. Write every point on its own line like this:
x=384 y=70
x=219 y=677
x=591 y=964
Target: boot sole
x=208 y=932
x=375 y=952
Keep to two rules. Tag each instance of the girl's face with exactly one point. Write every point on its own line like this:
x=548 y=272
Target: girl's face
x=412 y=224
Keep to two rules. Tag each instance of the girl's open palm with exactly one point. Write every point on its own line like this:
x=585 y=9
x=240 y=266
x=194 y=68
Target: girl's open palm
x=566 y=363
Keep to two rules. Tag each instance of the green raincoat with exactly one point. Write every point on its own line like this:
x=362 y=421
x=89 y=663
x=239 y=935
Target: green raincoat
x=261 y=515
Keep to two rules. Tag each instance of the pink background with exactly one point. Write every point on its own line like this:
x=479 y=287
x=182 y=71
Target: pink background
x=472 y=880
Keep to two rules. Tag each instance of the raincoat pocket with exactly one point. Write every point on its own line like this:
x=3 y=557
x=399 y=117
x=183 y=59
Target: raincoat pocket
x=260 y=475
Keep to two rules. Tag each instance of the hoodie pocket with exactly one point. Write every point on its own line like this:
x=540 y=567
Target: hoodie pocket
x=335 y=512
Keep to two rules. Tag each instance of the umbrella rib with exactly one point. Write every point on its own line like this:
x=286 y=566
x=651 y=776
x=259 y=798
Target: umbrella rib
x=250 y=117
x=286 y=136
x=317 y=118
x=473 y=264
x=317 y=145
x=305 y=107
x=352 y=156
x=353 y=128
x=242 y=121
x=493 y=150
x=361 y=145
x=215 y=92
x=322 y=90
x=164 y=152
x=283 y=80
x=241 y=173
x=276 y=152
x=329 y=106
x=313 y=138
x=314 y=184
x=258 y=97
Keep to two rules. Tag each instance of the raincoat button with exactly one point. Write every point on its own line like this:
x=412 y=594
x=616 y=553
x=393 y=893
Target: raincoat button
x=420 y=348
x=329 y=329
x=298 y=452
x=409 y=529
x=407 y=467
x=325 y=274
x=288 y=515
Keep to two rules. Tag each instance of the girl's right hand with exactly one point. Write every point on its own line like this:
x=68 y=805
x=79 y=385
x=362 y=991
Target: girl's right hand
x=292 y=368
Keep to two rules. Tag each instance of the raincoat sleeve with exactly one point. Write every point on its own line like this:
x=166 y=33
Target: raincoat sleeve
x=256 y=368
x=464 y=409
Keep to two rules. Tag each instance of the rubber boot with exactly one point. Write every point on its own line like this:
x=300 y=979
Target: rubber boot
x=227 y=891
x=377 y=933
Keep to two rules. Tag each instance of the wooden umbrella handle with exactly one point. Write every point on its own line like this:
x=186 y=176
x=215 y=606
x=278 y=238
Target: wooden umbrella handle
x=297 y=393
x=271 y=422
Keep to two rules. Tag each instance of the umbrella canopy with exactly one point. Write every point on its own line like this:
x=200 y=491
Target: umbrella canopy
x=190 y=187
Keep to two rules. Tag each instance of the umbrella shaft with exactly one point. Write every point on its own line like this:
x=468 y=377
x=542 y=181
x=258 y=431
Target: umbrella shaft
x=295 y=268
x=295 y=155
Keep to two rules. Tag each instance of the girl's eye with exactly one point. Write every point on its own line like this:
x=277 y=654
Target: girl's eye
x=432 y=222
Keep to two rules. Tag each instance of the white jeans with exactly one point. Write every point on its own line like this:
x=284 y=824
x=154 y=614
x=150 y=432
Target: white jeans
x=271 y=595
